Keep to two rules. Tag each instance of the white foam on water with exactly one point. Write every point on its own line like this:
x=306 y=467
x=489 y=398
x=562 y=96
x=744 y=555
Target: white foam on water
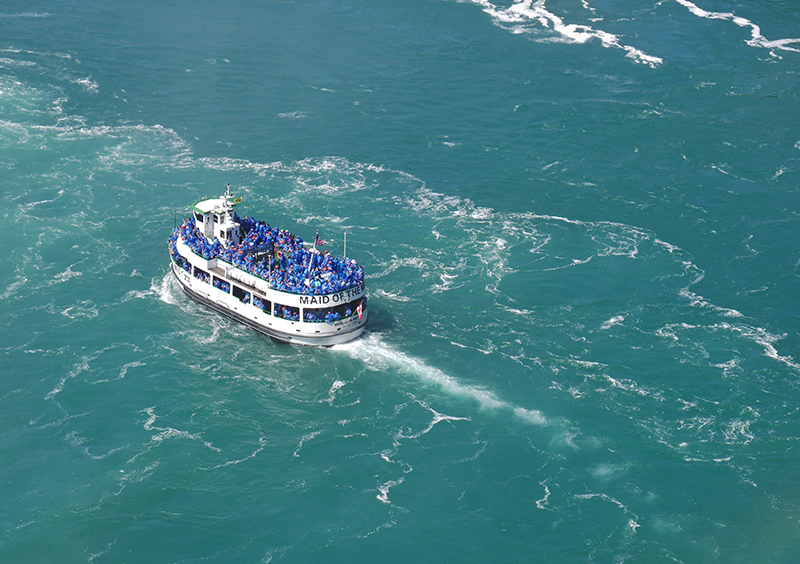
x=13 y=287
x=728 y=367
x=763 y=338
x=84 y=309
x=493 y=253
x=81 y=366
x=335 y=387
x=124 y=370
x=75 y=439
x=668 y=246
x=13 y=63
x=67 y=274
x=633 y=519
x=380 y=356
x=757 y=335
x=88 y=84
x=165 y=433
x=303 y=440
x=437 y=418
x=522 y=13
x=537 y=216
x=447 y=283
x=216 y=329
x=542 y=503
x=780 y=172
x=532 y=416
x=166 y=290
x=24 y=15
x=300 y=114
x=383 y=490
x=522 y=312
x=397 y=262
x=91 y=557
x=629 y=385
x=617 y=319
x=738 y=432
x=756 y=39
x=698 y=301
x=262 y=442
x=390 y=296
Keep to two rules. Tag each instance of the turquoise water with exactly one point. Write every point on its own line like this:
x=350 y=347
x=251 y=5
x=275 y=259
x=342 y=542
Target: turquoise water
x=578 y=222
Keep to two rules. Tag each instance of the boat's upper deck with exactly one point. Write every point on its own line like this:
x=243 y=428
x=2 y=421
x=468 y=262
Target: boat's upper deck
x=272 y=254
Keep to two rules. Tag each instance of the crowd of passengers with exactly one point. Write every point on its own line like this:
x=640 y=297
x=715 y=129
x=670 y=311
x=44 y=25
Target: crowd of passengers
x=288 y=266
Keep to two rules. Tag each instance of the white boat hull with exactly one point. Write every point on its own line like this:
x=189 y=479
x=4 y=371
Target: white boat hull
x=285 y=330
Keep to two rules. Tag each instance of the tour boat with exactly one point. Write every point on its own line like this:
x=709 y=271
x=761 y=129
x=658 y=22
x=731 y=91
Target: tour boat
x=267 y=278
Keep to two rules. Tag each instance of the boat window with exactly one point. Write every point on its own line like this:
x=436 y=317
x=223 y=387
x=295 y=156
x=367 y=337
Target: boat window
x=331 y=314
x=287 y=312
x=322 y=314
x=242 y=295
x=198 y=216
x=202 y=275
x=222 y=285
x=350 y=309
x=261 y=303
x=183 y=263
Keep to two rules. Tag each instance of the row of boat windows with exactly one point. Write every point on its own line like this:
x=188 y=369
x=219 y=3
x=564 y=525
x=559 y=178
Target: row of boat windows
x=310 y=315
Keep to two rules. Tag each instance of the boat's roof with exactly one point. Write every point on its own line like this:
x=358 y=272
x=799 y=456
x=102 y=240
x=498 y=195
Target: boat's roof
x=210 y=205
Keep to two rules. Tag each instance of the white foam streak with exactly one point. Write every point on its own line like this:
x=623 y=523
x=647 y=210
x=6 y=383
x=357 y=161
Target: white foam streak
x=262 y=442
x=391 y=296
x=84 y=309
x=633 y=520
x=303 y=440
x=82 y=366
x=763 y=338
x=335 y=387
x=383 y=490
x=523 y=12
x=738 y=431
x=124 y=370
x=169 y=433
x=379 y=356
x=13 y=287
x=437 y=418
x=698 y=301
x=24 y=15
x=756 y=39
x=66 y=275
x=532 y=416
x=611 y=322
x=396 y=262
x=542 y=503
x=165 y=290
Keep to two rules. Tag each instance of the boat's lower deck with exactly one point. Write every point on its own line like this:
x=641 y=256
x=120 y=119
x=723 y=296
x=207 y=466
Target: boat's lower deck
x=241 y=303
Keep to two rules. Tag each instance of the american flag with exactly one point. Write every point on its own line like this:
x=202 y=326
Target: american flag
x=318 y=241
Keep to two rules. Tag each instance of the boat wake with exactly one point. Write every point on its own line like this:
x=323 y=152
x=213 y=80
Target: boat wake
x=379 y=356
